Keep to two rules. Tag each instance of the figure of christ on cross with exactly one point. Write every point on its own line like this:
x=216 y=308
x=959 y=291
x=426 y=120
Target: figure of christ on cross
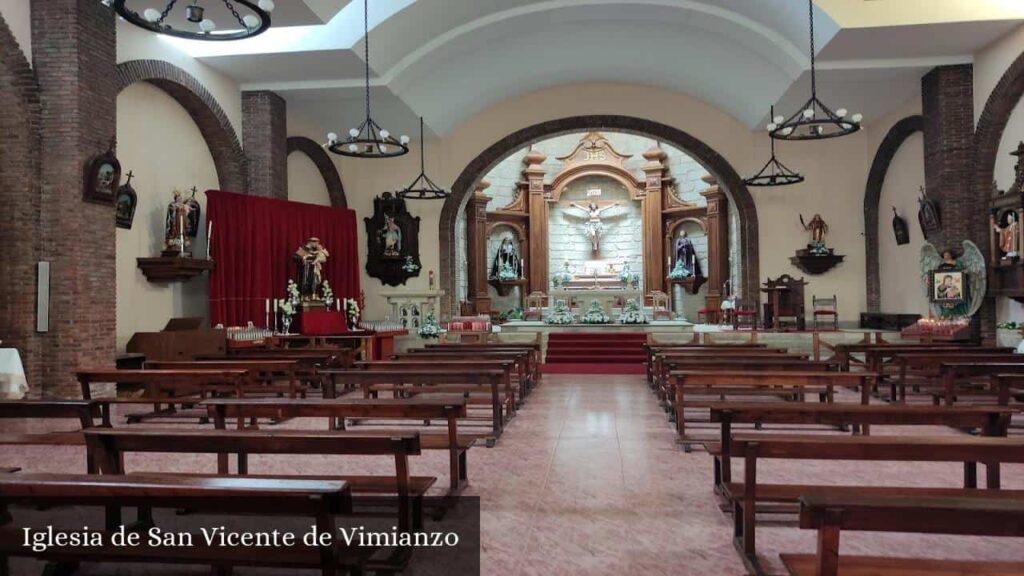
x=594 y=227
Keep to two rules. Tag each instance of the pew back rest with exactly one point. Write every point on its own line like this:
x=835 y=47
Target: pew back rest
x=896 y=448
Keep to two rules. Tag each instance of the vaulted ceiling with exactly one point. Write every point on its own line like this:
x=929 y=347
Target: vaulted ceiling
x=449 y=59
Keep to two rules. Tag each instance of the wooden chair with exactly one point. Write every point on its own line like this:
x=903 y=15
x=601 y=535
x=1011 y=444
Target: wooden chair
x=787 y=294
x=823 y=308
x=535 y=303
x=660 y=305
x=745 y=314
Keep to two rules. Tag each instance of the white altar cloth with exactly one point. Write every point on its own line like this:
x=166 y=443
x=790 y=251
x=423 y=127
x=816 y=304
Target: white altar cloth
x=12 y=375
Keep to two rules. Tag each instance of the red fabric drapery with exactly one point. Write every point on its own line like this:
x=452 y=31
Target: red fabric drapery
x=254 y=239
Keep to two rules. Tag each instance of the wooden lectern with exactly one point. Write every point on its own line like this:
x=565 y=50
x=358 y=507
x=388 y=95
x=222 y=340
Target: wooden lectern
x=785 y=300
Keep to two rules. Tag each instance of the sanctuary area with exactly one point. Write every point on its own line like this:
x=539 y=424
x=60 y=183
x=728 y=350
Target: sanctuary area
x=511 y=288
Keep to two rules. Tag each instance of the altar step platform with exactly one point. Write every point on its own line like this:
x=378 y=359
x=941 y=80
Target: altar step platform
x=595 y=352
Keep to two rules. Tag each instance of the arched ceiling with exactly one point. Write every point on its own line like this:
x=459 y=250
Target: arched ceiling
x=449 y=59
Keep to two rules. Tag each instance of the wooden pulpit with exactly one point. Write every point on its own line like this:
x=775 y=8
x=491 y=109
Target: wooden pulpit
x=785 y=296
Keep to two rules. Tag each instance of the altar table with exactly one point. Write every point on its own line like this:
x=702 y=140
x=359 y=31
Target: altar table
x=322 y=323
x=12 y=375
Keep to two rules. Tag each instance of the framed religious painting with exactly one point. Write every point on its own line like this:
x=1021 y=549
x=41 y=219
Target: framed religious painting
x=102 y=177
x=393 y=252
x=124 y=208
x=949 y=287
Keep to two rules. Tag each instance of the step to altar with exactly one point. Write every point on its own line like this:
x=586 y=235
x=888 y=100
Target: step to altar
x=584 y=348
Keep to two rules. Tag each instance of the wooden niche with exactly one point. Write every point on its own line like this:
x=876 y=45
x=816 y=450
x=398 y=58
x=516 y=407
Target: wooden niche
x=1006 y=270
x=393 y=241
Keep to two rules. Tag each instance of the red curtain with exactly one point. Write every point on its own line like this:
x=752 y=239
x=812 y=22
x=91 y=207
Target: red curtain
x=254 y=239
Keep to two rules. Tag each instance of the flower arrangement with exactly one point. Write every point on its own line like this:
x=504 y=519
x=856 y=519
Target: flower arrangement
x=632 y=313
x=328 y=293
x=595 y=314
x=628 y=277
x=352 y=312
x=680 y=271
x=1009 y=326
x=410 y=266
x=561 y=314
x=562 y=277
x=818 y=248
x=513 y=314
x=290 y=305
x=429 y=327
x=507 y=273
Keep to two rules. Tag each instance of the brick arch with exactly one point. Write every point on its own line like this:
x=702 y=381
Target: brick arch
x=20 y=195
x=206 y=112
x=711 y=160
x=897 y=135
x=323 y=162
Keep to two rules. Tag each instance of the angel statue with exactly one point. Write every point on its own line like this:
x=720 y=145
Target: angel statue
x=955 y=287
x=594 y=227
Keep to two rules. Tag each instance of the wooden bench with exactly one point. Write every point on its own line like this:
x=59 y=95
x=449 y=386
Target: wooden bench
x=922 y=369
x=432 y=381
x=110 y=447
x=338 y=357
x=164 y=387
x=651 y=349
x=765 y=382
x=984 y=513
x=751 y=447
x=785 y=363
x=952 y=373
x=843 y=353
x=513 y=394
x=266 y=372
x=319 y=500
x=661 y=373
x=524 y=379
x=84 y=411
x=448 y=409
x=535 y=371
x=991 y=421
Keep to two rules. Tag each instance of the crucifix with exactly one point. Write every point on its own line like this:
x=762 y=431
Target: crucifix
x=594 y=209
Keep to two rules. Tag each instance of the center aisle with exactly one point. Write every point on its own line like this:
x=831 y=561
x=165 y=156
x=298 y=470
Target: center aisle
x=587 y=479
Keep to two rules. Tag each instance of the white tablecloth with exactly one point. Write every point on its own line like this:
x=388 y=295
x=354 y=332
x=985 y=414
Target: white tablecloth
x=12 y=375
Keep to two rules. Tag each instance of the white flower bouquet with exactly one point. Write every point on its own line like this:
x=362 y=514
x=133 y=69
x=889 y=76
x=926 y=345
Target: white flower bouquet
x=561 y=314
x=632 y=313
x=429 y=327
x=595 y=314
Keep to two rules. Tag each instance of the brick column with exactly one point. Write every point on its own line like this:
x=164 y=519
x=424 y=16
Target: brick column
x=74 y=50
x=476 y=235
x=537 y=206
x=265 y=141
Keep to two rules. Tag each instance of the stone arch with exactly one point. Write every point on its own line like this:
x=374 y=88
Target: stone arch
x=328 y=171
x=206 y=112
x=992 y=123
x=897 y=135
x=711 y=160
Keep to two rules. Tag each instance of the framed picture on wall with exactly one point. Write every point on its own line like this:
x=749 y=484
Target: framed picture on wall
x=949 y=287
x=102 y=177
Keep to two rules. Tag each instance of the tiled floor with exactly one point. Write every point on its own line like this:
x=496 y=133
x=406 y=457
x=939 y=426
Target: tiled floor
x=587 y=479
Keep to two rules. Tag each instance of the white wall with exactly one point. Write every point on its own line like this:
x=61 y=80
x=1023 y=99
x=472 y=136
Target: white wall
x=18 y=16
x=160 y=144
x=305 y=184
x=898 y=265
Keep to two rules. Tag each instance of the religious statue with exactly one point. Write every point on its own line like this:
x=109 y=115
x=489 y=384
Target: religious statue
x=1009 y=235
x=507 y=264
x=594 y=227
x=686 y=256
x=392 y=235
x=955 y=286
x=310 y=258
x=818 y=229
x=176 y=240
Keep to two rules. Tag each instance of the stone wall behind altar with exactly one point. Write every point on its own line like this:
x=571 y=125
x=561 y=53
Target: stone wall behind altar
x=621 y=240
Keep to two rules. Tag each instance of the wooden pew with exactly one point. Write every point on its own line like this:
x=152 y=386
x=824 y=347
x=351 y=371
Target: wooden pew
x=520 y=357
x=877 y=359
x=844 y=352
x=449 y=409
x=1007 y=386
x=264 y=371
x=923 y=368
x=410 y=363
x=110 y=447
x=777 y=362
x=991 y=421
x=751 y=447
x=84 y=411
x=434 y=380
x=660 y=357
x=650 y=349
x=164 y=387
x=980 y=513
x=533 y=349
x=340 y=357
x=319 y=500
x=952 y=373
x=766 y=382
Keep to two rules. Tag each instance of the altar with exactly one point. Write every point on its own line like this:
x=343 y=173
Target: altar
x=610 y=300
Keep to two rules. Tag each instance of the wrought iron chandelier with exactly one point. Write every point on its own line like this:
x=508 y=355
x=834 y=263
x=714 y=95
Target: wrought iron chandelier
x=369 y=140
x=774 y=173
x=253 y=17
x=814 y=120
x=423 y=188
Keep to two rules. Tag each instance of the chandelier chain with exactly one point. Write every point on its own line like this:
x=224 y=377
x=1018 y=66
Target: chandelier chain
x=366 y=50
x=814 y=82
x=235 y=13
x=167 y=11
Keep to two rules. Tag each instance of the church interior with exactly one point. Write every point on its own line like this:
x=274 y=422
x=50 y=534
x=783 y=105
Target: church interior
x=512 y=287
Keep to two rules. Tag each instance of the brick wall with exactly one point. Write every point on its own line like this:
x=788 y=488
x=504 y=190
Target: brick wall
x=265 y=138
x=19 y=196
x=74 y=50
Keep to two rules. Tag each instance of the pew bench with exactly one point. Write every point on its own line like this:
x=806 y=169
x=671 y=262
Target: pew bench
x=923 y=370
x=991 y=421
x=952 y=374
x=447 y=409
x=513 y=394
x=533 y=351
x=84 y=411
x=844 y=353
x=651 y=349
x=660 y=372
x=981 y=513
x=110 y=447
x=281 y=377
x=526 y=373
x=320 y=500
x=689 y=363
x=752 y=447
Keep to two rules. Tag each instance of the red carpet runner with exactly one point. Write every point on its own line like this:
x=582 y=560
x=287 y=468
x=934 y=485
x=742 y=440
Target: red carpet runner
x=606 y=352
